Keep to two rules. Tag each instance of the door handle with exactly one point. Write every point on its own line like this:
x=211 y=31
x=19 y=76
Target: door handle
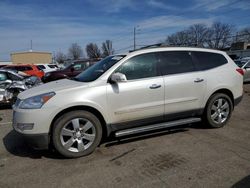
x=155 y=86
x=197 y=80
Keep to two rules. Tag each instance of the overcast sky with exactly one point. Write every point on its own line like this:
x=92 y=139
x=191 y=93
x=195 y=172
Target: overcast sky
x=54 y=25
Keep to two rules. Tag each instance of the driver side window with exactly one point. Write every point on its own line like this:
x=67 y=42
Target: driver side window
x=138 y=67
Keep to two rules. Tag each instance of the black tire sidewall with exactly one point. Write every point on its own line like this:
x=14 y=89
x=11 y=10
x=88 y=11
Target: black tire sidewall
x=60 y=122
x=207 y=113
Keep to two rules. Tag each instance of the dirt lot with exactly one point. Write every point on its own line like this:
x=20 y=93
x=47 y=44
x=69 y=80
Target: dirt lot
x=190 y=156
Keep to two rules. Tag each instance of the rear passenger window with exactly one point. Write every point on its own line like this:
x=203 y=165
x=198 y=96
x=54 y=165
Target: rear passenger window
x=208 y=60
x=52 y=66
x=138 y=67
x=28 y=68
x=175 y=62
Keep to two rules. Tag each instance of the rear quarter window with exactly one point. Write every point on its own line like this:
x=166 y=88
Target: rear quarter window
x=208 y=60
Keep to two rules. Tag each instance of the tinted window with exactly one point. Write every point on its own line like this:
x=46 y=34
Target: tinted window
x=40 y=67
x=208 y=60
x=52 y=66
x=13 y=77
x=141 y=66
x=22 y=68
x=174 y=62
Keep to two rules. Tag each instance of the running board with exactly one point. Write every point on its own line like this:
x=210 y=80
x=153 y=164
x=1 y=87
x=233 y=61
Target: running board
x=156 y=126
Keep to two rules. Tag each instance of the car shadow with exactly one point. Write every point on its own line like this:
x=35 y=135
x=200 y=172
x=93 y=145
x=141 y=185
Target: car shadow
x=5 y=107
x=16 y=145
x=243 y=183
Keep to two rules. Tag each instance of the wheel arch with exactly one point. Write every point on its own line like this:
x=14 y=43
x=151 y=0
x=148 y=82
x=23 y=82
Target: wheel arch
x=224 y=91
x=106 y=129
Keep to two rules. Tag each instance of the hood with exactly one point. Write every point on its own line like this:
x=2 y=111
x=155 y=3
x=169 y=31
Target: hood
x=55 y=86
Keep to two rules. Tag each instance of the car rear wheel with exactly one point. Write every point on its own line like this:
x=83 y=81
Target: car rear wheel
x=76 y=134
x=218 y=110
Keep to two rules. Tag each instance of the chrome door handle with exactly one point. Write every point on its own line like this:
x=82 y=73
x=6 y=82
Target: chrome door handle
x=155 y=86
x=198 y=80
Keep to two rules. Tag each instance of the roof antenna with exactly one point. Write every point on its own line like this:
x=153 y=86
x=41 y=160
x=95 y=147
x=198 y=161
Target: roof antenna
x=30 y=46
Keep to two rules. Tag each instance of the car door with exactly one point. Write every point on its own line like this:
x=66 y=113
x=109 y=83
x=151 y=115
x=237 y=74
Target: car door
x=141 y=97
x=184 y=86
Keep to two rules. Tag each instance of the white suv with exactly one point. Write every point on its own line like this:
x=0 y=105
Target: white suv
x=129 y=94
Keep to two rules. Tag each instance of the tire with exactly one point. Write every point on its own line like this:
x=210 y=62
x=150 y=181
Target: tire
x=218 y=110
x=76 y=134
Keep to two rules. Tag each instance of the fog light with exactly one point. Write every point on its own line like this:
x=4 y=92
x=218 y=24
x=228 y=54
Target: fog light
x=25 y=126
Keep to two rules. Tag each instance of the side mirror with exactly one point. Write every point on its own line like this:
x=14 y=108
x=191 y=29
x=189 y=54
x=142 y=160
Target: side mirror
x=118 y=77
x=72 y=69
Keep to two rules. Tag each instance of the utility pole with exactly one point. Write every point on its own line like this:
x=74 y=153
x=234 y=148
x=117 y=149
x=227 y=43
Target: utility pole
x=135 y=29
x=31 y=46
x=134 y=38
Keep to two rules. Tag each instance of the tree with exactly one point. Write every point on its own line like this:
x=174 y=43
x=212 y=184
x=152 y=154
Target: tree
x=60 y=57
x=75 y=51
x=180 y=38
x=219 y=35
x=107 y=48
x=243 y=35
x=198 y=34
x=93 y=51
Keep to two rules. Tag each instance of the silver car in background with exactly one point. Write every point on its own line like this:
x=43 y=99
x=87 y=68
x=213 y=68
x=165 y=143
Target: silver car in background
x=244 y=64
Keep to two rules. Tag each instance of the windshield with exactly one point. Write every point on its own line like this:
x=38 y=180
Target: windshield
x=240 y=63
x=98 y=69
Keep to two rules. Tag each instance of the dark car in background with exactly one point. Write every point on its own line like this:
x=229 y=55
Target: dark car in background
x=71 y=70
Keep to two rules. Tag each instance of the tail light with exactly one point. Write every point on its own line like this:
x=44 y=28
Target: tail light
x=241 y=71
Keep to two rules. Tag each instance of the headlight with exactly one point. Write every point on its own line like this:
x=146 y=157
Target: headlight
x=36 y=102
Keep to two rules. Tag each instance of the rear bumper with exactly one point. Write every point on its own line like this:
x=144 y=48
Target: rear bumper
x=237 y=100
x=36 y=141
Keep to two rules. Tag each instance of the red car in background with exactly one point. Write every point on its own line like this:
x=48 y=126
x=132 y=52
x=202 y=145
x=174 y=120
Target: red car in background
x=31 y=70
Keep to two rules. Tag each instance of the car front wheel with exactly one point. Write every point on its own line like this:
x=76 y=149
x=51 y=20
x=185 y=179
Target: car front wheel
x=76 y=134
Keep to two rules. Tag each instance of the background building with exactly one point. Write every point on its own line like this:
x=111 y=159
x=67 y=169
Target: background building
x=31 y=57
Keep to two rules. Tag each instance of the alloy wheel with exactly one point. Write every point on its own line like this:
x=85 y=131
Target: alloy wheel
x=77 y=135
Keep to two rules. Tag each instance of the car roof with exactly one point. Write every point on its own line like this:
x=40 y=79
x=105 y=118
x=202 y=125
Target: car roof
x=158 y=49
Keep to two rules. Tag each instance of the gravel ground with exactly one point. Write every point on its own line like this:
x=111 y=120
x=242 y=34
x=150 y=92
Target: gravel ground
x=190 y=156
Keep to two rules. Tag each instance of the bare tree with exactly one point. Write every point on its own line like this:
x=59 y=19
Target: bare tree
x=93 y=51
x=75 y=51
x=179 y=39
x=243 y=35
x=219 y=35
x=60 y=57
x=107 y=48
x=198 y=34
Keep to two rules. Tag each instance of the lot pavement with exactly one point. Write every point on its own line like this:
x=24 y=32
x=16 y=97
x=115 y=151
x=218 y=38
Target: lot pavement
x=190 y=156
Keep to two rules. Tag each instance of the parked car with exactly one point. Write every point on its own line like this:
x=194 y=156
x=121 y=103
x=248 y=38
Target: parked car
x=31 y=70
x=130 y=94
x=47 y=67
x=244 y=63
x=72 y=70
x=12 y=83
x=2 y=66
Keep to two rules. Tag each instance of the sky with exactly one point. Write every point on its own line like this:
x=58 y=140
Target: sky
x=53 y=25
